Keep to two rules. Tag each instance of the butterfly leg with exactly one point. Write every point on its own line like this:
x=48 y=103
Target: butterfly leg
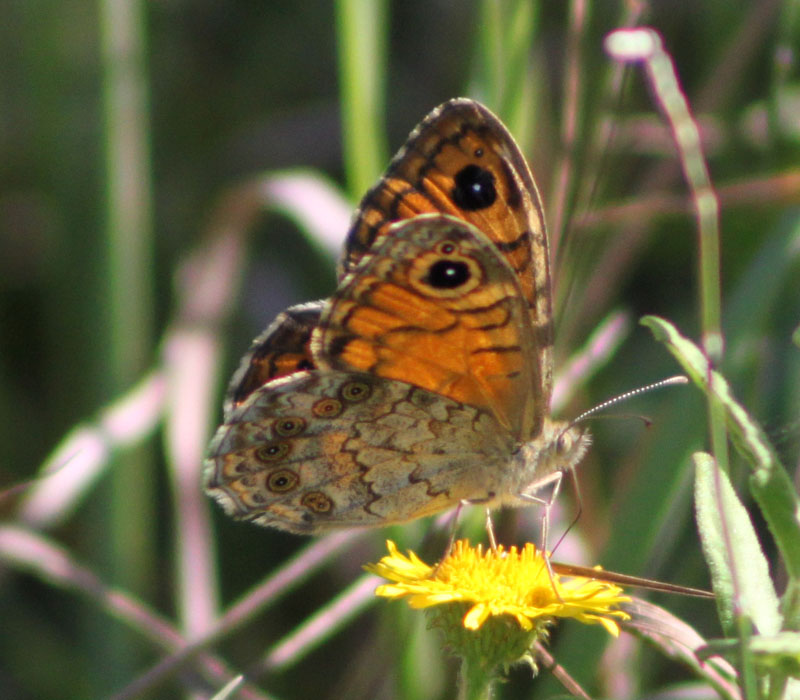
x=548 y=662
x=489 y=524
x=554 y=480
x=490 y=530
x=454 y=525
x=451 y=540
x=578 y=500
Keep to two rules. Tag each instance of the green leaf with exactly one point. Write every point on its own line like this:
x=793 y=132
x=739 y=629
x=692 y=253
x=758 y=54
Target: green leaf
x=739 y=570
x=679 y=641
x=769 y=483
x=777 y=653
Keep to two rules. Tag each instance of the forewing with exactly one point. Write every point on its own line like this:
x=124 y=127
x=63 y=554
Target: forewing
x=435 y=305
x=462 y=161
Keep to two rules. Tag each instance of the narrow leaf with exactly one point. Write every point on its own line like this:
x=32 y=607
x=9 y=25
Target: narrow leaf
x=679 y=641
x=739 y=570
x=769 y=483
x=774 y=653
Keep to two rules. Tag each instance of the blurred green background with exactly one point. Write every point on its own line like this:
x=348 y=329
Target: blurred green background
x=137 y=138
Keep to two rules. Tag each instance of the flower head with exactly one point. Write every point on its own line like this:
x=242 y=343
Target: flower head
x=499 y=582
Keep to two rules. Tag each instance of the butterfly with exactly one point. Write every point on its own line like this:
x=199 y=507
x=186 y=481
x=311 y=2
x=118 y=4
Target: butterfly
x=425 y=379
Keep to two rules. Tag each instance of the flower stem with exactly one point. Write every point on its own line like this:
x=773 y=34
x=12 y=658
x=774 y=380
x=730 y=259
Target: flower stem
x=475 y=682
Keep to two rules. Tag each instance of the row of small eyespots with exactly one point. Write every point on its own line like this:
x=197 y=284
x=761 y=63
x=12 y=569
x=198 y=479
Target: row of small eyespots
x=284 y=480
x=281 y=481
x=351 y=392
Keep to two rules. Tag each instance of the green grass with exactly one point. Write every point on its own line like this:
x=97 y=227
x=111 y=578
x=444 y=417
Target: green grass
x=146 y=241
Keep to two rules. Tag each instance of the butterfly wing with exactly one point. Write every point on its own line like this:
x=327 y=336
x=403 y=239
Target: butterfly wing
x=462 y=161
x=435 y=305
x=282 y=349
x=430 y=363
x=321 y=450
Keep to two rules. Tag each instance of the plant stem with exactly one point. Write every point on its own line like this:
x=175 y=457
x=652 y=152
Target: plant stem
x=475 y=682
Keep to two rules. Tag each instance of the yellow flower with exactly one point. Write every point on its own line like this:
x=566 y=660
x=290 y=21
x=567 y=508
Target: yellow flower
x=499 y=582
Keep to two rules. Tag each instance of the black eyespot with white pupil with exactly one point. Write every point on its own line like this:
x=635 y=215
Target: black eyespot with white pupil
x=474 y=188
x=448 y=274
x=289 y=426
x=355 y=391
x=272 y=452
x=282 y=480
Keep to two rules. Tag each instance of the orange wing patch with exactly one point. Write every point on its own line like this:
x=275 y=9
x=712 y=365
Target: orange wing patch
x=461 y=161
x=437 y=307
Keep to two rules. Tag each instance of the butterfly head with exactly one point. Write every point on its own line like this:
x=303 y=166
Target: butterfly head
x=559 y=447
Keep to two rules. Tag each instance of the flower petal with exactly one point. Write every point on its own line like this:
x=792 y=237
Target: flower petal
x=498 y=582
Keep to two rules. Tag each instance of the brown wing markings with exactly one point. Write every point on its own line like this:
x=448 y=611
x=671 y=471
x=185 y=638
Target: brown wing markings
x=339 y=344
x=496 y=348
x=514 y=198
x=430 y=155
x=500 y=305
x=414 y=172
x=519 y=263
x=518 y=251
x=417 y=158
x=282 y=349
x=358 y=243
x=364 y=469
x=398 y=196
x=414 y=478
x=362 y=330
x=373 y=495
x=513 y=244
x=405 y=330
x=497 y=325
x=386 y=338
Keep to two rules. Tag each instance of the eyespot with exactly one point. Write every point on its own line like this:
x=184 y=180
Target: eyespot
x=317 y=501
x=327 y=408
x=273 y=452
x=446 y=248
x=446 y=270
x=447 y=274
x=474 y=188
x=355 y=391
x=286 y=427
x=282 y=480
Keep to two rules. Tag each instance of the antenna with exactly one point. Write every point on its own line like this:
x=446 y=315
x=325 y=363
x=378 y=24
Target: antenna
x=677 y=379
